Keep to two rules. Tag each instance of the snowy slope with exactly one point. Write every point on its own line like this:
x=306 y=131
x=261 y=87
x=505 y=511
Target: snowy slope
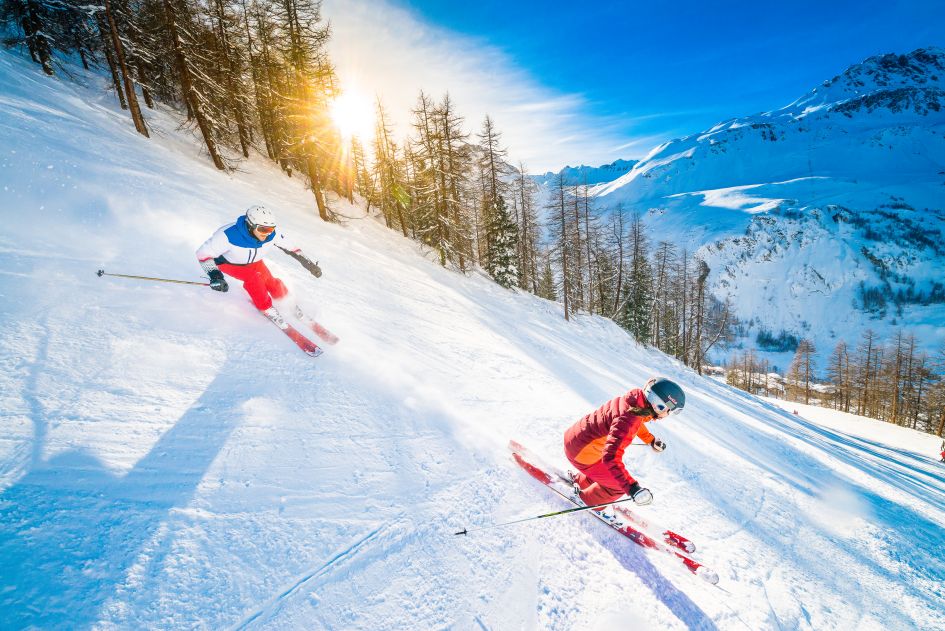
x=169 y=459
x=796 y=209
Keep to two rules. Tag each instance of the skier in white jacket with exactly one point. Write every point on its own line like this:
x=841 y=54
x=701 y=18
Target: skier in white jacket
x=237 y=250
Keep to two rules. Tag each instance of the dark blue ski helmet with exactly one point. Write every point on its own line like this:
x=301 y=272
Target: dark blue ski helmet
x=664 y=395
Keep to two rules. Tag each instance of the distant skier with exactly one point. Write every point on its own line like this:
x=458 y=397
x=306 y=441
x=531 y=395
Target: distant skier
x=595 y=444
x=943 y=451
x=237 y=250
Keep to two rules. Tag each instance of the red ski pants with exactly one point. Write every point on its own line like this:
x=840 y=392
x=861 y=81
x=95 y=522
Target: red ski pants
x=258 y=282
x=598 y=485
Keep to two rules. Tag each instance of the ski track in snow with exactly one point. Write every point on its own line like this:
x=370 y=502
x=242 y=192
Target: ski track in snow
x=170 y=460
x=271 y=608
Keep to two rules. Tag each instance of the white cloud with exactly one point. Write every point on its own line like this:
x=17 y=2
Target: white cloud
x=384 y=49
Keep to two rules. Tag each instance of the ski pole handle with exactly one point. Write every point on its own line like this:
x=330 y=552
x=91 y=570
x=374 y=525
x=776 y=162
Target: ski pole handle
x=102 y=272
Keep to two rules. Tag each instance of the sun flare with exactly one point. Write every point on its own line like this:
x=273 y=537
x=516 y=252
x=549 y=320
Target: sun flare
x=353 y=114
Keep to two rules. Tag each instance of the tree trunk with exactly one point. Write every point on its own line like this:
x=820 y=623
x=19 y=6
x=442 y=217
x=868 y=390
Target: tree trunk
x=230 y=84
x=110 y=58
x=36 y=40
x=564 y=252
x=190 y=96
x=587 y=244
x=316 y=181
x=129 y=84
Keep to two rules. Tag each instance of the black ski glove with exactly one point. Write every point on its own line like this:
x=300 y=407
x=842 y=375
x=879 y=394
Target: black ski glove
x=304 y=261
x=313 y=268
x=658 y=445
x=217 y=282
x=641 y=496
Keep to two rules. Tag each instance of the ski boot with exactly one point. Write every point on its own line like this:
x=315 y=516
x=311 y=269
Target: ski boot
x=273 y=314
x=575 y=487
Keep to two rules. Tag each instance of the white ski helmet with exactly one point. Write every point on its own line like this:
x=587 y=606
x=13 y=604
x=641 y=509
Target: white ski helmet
x=664 y=395
x=260 y=216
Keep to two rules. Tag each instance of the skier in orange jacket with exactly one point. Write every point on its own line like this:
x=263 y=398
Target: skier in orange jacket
x=595 y=444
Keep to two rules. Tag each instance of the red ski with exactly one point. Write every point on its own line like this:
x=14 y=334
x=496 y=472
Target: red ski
x=672 y=538
x=622 y=520
x=326 y=336
x=308 y=346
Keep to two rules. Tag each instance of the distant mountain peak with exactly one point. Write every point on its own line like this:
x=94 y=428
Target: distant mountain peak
x=757 y=197
x=921 y=70
x=921 y=66
x=590 y=175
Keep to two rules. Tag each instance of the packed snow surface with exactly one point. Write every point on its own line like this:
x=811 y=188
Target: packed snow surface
x=169 y=459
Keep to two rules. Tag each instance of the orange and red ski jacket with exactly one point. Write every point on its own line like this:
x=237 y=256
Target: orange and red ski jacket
x=602 y=435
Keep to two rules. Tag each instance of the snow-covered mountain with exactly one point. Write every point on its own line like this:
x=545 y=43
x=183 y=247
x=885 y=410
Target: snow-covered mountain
x=583 y=174
x=170 y=460
x=823 y=217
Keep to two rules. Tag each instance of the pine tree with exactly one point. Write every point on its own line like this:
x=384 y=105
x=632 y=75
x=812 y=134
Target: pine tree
x=428 y=194
x=196 y=102
x=802 y=369
x=440 y=162
x=936 y=397
x=502 y=259
x=617 y=243
x=838 y=375
x=528 y=230
x=231 y=62
x=589 y=219
x=131 y=97
x=639 y=298
x=304 y=84
x=455 y=162
x=492 y=168
x=546 y=281
x=560 y=230
x=42 y=25
x=363 y=182
x=388 y=173
x=662 y=311
x=866 y=365
x=576 y=234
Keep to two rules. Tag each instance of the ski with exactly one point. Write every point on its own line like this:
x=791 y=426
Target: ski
x=326 y=336
x=621 y=520
x=672 y=538
x=308 y=347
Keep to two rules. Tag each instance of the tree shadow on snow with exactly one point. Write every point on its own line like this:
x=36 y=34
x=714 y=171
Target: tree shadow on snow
x=70 y=530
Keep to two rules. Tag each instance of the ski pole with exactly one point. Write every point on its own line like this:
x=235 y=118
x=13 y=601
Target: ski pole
x=102 y=272
x=465 y=531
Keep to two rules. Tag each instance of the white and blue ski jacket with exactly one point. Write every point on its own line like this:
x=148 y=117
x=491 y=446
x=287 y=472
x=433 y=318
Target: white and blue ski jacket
x=236 y=245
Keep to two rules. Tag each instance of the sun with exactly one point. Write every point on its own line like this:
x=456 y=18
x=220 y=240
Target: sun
x=353 y=114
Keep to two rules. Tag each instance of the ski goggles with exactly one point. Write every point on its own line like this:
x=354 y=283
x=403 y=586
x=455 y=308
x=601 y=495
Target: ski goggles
x=660 y=406
x=264 y=229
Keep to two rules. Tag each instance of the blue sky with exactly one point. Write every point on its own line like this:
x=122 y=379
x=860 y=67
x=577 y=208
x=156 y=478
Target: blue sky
x=625 y=76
